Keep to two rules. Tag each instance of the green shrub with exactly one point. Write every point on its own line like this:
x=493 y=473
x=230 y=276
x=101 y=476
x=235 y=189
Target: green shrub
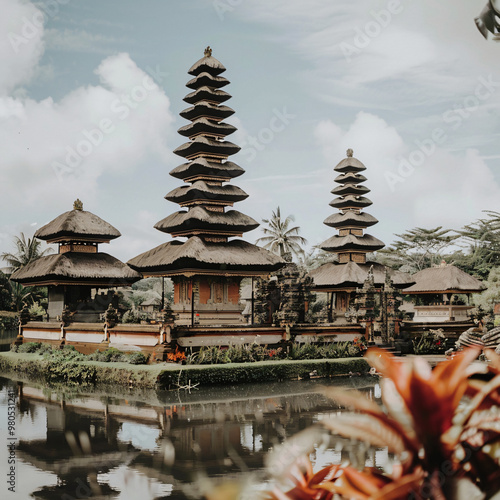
x=29 y=347
x=137 y=358
x=108 y=356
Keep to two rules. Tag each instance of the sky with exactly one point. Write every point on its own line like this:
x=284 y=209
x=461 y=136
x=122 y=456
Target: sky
x=90 y=95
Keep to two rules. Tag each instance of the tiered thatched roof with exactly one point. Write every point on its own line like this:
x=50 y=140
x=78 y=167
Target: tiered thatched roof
x=352 y=275
x=352 y=244
x=72 y=268
x=196 y=256
x=207 y=221
x=77 y=224
x=78 y=262
x=445 y=278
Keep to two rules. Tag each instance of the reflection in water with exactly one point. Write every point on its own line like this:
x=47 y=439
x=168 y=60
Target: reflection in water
x=162 y=444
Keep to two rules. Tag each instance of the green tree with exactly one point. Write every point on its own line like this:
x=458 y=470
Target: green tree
x=280 y=238
x=28 y=250
x=417 y=249
x=482 y=246
x=491 y=295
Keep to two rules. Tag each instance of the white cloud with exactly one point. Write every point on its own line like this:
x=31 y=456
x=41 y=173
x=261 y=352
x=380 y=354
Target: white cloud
x=56 y=151
x=21 y=43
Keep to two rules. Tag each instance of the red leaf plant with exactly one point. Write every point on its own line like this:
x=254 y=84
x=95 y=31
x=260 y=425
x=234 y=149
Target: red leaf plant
x=441 y=425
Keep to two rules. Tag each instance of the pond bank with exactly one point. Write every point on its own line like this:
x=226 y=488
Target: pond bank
x=172 y=375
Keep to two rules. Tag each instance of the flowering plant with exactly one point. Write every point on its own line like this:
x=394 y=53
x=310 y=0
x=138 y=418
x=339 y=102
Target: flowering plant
x=442 y=425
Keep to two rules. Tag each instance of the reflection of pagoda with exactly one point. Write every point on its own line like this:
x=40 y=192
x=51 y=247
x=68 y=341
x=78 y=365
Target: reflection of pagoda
x=208 y=267
x=78 y=267
x=351 y=245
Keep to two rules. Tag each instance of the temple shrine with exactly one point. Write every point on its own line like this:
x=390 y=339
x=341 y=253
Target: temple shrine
x=77 y=273
x=437 y=290
x=341 y=279
x=208 y=266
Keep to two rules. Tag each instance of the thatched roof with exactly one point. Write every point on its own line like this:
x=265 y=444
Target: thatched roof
x=350 y=188
x=77 y=268
x=350 y=201
x=351 y=177
x=201 y=166
x=207 y=80
x=199 y=218
x=207 y=94
x=78 y=225
x=445 y=279
x=206 y=126
x=200 y=190
x=208 y=64
x=201 y=144
x=350 y=218
x=205 y=108
x=349 y=164
x=235 y=257
x=334 y=275
x=366 y=242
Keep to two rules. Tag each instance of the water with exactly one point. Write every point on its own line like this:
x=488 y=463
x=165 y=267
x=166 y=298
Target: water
x=153 y=445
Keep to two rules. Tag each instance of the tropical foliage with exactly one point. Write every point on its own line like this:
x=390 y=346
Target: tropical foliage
x=441 y=425
x=27 y=250
x=417 y=249
x=280 y=237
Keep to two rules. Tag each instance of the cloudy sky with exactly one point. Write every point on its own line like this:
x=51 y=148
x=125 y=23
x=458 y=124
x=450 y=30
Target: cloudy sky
x=90 y=95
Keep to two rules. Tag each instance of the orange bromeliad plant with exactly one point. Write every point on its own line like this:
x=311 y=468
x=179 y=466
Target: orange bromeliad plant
x=442 y=426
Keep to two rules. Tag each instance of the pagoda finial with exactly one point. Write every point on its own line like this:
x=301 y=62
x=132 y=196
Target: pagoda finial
x=77 y=205
x=350 y=152
x=208 y=51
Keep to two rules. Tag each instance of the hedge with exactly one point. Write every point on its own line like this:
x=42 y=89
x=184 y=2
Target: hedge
x=173 y=376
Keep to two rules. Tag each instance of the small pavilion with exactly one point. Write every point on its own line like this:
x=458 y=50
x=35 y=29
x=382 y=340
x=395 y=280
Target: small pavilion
x=342 y=278
x=208 y=266
x=76 y=274
x=436 y=288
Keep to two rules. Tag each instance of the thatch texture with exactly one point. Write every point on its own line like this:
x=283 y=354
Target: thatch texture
x=72 y=267
x=202 y=219
x=206 y=126
x=445 y=279
x=349 y=177
x=196 y=254
x=350 y=164
x=350 y=201
x=207 y=94
x=207 y=64
x=334 y=275
x=205 y=108
x=350 y=188
x=207 y=80
x=201 y=144
x=350 y=218
x=200 y=190
x=203 y=167
x=78 y=225
x=366 y=242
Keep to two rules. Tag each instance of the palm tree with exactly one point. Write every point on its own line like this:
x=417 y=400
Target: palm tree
x=280 y=237
x=28 y=250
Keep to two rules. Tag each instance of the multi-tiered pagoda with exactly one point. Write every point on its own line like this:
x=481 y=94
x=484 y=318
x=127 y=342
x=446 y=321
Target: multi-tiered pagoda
x=77 y=272
x=207 y=268
x=352 y=244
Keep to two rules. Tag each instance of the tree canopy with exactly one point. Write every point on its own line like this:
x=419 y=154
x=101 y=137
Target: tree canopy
x=28 y=250
x=280 y=237
x=417 y=249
